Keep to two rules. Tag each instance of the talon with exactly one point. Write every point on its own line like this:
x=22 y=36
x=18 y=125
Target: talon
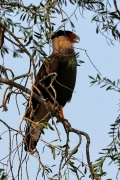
x=59 y=110
x=67 y=123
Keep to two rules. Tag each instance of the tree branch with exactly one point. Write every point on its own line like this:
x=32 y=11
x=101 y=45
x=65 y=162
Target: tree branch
x=21 y=46
x=115 y=4
x=70 y=129
x=19 y=5
x=37 y=97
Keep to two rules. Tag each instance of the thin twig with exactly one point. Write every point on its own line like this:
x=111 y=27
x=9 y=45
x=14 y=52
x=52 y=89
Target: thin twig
x=92 y=63
x=21 y=46
x=70 y=129
x=18 y=5
x=115 y=4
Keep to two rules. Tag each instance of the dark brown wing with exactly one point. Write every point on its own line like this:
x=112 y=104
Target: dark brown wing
x=65 y=67
x=38 y=111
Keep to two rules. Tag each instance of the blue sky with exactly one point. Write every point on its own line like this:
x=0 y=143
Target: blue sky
x=91 y=109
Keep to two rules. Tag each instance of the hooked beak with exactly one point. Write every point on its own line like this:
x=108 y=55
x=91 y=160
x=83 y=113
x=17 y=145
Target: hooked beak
x=77 y=39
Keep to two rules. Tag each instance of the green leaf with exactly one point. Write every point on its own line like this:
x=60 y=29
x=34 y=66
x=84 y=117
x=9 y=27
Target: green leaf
x=109 y=80
x=96 y=165
x=66 y=177
x=1 y=170
x=103 y=85
x=97 y=30
x=98 y=77
x=93 y=82
x=54 y=140
x=54 y=154
x=72 y=24
x=91 y=77
x=51 y=127
x=24 y=17
x=85 y=170
x=43 y=172
x=41 y=4
x=63 y=20
x=75 y=150
x=34 y=53
x=73 y=170
x=110 y=163
x=108 y=88
x=71 y=163
x=114 y=83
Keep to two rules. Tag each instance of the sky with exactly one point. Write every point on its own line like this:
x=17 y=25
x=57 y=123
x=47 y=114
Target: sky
x=91 y=109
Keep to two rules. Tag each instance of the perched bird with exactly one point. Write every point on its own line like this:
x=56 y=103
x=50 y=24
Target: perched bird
x=62 y=62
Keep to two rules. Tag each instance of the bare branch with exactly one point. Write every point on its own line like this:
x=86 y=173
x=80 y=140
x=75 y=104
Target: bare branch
x=115 y=4
x=1 y=37
x=70 y=129
x=21 y=46
x=8 y=126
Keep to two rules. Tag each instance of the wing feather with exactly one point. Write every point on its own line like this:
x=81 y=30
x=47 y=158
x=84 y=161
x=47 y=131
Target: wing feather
x=38 y=111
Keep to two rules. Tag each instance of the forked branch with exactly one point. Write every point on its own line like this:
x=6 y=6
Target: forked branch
x=65 y=124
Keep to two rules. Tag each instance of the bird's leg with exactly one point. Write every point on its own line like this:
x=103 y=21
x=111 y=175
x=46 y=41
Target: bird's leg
x=59 y=110
x=49 y=102
x=62 y=119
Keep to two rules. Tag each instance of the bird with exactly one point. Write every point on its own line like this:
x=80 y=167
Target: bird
x=61 y=64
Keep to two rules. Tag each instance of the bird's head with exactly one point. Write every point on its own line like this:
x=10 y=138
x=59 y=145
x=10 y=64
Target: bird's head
x=63 y=40
x=72 y=37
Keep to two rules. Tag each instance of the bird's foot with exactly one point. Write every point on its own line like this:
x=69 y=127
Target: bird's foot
x=62 y=119
x=65 y=123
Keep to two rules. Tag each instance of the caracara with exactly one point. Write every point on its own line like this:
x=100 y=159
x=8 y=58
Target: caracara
x=62 y=62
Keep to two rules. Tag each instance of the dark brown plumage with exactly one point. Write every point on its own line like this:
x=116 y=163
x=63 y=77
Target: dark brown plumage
x=63 y=62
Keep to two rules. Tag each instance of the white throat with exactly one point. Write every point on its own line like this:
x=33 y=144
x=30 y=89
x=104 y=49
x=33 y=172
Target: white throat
x=61 y=44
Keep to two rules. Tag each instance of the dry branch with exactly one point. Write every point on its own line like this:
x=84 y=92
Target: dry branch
x=20 y=46
x=116 y=7
x=65 y=124
x=79 y=133
x=1 y=37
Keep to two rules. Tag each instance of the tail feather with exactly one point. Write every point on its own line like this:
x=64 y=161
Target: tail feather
x=34 y=129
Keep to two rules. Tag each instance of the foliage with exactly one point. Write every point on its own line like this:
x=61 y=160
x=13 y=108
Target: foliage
x=2 y=175
x=111 y=152
x=105 y=82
